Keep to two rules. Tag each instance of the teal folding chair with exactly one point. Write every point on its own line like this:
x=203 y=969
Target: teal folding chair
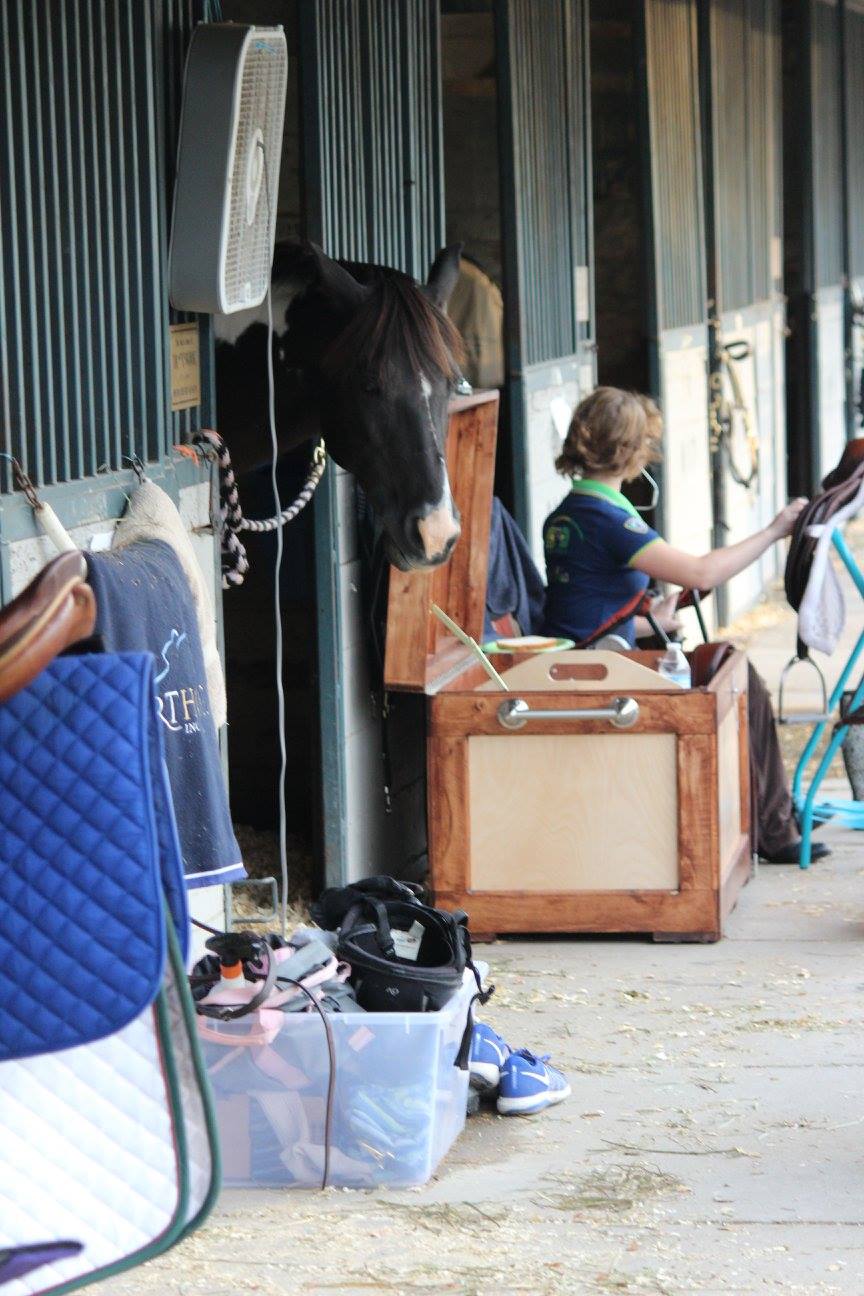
x=810 y=809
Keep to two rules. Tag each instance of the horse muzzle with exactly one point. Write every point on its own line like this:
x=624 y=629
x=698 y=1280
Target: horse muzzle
x=418 y=546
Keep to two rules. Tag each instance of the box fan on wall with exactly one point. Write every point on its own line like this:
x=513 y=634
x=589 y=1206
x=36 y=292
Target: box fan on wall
x=230 y=147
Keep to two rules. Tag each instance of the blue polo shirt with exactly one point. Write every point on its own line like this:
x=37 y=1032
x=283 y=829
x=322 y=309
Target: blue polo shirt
x=590 y=541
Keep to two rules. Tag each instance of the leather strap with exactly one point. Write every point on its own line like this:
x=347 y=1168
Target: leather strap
x=705 y=661
x=52 y=613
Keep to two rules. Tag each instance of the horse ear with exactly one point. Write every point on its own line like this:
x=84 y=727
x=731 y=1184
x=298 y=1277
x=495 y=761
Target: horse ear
x=443 y=275
x=306 y=265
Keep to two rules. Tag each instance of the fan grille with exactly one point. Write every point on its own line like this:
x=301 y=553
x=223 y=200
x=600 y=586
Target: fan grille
x=251 y=219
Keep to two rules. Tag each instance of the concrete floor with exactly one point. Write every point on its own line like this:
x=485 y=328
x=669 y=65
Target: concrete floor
x=714 y=1141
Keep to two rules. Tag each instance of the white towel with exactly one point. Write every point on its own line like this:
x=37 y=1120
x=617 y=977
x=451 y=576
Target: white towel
x=822 y=613
x=152 y=515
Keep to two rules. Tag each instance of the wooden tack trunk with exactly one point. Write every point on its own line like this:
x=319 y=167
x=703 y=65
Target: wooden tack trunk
x=568 y=824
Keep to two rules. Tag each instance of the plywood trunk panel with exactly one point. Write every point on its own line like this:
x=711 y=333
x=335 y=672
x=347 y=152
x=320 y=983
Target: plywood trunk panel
x=573 y=813
x=728 y=789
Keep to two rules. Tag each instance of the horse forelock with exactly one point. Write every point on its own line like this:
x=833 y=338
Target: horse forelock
x=397 y=326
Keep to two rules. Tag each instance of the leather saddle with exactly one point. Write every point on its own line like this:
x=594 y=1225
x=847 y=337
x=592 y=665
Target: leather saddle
x=838 y=488
x=56 y=610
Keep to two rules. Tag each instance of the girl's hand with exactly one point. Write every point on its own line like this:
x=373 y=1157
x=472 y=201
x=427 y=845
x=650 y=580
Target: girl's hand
x=787 y=517
x=664 y=610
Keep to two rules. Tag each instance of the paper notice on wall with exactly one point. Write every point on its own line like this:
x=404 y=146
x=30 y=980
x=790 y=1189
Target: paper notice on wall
x=185 y=367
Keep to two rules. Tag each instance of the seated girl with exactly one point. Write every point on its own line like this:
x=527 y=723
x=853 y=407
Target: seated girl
x=600 y=554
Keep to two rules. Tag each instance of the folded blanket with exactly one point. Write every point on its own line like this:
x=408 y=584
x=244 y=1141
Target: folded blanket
x=144 y=604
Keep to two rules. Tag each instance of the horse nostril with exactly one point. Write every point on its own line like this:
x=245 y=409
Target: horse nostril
x=451 y=543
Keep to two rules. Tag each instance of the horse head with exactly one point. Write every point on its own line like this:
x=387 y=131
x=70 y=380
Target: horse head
x=365 y=357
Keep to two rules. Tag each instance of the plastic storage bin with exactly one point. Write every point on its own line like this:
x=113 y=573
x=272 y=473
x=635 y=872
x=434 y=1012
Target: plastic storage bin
x=399 y=1098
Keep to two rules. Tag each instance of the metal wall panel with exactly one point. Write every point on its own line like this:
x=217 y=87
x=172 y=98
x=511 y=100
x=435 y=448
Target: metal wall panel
x=90 y=100
x=853 y=43
x=372 y=100
x=814 y=211
x=672 y=75
x=546 y=129
x=746 y=124
x=741 y=74
x=545 y=151
x=373 y=183
x=733 y=131
x=827 y=147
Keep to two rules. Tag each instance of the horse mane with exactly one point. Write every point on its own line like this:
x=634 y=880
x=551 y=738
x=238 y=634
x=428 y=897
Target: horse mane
x=396 y=327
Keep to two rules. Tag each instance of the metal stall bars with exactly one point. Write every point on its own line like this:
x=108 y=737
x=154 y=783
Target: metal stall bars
x=544 y=115
x=89 y=110
x=90 y=98
x=813 y=226
x=677 y=323
x=740 y=65
x=373 y=183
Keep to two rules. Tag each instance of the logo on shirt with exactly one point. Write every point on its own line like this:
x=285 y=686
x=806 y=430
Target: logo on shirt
x=556 y=538
x=636 y=524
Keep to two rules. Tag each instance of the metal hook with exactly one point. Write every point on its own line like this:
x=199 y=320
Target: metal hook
x=22 y=481
x=136 y=465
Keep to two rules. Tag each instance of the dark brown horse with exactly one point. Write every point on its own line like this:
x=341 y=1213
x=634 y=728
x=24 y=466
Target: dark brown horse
x=365 y=357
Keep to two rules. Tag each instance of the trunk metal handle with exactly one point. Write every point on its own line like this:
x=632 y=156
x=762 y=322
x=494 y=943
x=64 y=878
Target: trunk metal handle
x=622 y=714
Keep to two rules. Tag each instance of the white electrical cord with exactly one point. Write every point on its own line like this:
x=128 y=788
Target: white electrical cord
x=277 y=593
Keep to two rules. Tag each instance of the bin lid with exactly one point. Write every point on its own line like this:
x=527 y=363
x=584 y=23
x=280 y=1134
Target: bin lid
x=421 y=655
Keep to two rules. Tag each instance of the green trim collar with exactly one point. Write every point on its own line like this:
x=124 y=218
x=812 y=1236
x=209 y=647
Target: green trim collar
x=587 y=486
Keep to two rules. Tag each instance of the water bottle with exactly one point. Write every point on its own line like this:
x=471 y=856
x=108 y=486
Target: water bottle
x=673 y=665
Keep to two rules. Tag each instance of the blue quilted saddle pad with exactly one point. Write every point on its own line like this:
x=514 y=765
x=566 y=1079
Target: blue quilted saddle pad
x=88 y=853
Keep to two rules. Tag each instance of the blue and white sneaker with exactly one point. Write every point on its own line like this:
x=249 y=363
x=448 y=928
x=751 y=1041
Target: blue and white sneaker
x=529 y=1085
x=488 y=1054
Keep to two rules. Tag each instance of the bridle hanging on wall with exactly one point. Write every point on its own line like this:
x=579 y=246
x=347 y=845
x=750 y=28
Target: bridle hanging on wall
x=722 y=411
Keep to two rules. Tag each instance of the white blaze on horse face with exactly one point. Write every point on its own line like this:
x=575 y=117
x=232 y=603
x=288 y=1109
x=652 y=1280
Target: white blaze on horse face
x=439 y=528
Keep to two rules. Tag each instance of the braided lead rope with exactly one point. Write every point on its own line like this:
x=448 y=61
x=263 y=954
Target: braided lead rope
x=313 y=477
x=235 y=562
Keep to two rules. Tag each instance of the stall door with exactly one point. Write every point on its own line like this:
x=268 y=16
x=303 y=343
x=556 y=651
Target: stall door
x=89 y=112
x=374 y=192
x=828 y=232
x=677 y=316
x=546 y=196
x=741 y=75
x=853 y=69
x=813 y=223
